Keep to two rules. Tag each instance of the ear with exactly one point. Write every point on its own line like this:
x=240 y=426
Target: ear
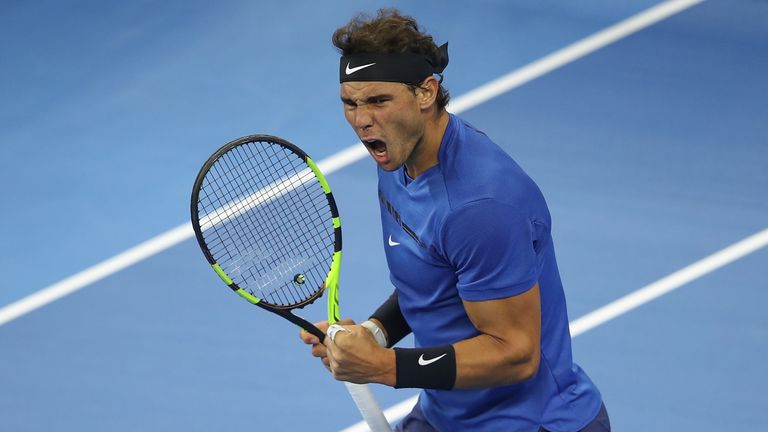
x=426 y=94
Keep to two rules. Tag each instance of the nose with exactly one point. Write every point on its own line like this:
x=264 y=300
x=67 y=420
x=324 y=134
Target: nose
x=362 y=118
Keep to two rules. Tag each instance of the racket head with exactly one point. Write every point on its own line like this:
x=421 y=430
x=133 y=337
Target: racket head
x=266 y=220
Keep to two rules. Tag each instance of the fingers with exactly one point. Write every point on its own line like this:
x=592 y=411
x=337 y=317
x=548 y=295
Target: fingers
x=310 y=339
x=334 y=330
x=354 y=355
x=318 y=349
x=337 y=346
x=322 y=325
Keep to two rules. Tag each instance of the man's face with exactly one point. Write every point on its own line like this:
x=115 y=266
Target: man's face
x=387 y=119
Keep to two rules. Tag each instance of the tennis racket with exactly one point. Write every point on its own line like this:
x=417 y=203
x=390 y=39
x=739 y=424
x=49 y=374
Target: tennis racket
x=266 y=221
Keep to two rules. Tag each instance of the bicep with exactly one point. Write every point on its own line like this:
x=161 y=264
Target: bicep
x=508 y=319
x=507 y=350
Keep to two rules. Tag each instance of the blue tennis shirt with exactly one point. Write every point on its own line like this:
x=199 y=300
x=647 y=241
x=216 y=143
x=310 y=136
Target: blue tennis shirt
x=476 y=227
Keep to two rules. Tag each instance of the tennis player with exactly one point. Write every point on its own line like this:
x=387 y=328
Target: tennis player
x=467 y=236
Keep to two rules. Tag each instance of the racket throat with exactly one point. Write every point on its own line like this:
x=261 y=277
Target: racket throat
x=301 y=322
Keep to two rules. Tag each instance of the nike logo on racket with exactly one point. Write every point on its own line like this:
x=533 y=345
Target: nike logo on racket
x=392 y=242
x=424 y=362
x=350 y=71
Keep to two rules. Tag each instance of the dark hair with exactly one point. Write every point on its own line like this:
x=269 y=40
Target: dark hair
x=389 y=33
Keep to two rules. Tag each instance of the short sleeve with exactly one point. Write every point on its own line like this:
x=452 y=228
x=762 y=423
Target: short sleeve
x=490 y=245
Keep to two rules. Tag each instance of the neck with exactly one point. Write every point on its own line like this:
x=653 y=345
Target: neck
x=425 y=153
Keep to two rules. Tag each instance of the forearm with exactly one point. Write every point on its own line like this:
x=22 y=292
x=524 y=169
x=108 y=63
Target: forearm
x=479 y=362
x=488 y=361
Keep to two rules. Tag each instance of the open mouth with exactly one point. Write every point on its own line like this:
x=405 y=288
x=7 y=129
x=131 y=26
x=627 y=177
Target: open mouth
x=378 y=147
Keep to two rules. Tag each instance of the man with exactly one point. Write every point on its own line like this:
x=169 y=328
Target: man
x=467 y=240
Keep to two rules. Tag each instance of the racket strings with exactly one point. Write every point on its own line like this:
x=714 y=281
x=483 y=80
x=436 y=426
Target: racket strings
x=270 y=231
x=243 y=232
x=266 y=220
x=233 y=230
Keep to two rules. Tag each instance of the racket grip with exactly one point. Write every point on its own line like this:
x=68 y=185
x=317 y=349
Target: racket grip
x=368 y=407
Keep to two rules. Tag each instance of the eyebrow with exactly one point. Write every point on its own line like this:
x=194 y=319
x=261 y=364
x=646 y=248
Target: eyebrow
x=367 y=100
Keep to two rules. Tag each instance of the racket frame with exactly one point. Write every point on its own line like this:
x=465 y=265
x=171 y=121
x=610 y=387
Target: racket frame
x=331 y=284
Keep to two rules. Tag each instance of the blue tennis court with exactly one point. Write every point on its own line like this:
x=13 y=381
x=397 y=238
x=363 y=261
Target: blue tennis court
x=648 y=138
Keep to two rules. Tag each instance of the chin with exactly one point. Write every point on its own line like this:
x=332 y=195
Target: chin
x=389 y=166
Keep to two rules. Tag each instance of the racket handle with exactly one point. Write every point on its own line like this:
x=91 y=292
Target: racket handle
x=368 y=407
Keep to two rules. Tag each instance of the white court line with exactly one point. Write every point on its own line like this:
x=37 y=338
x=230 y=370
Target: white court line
x=97 y=272
x=669 y=283
x=352 y=154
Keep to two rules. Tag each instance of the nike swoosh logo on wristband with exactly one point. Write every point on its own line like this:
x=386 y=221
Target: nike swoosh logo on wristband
x=424 y=362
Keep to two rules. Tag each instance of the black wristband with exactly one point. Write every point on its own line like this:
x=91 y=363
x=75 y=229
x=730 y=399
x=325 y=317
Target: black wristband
x=429 y=368
x=392 y=319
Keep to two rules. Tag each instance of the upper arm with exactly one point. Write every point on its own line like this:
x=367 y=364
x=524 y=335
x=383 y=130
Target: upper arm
x=508 y=348
x=513 y=321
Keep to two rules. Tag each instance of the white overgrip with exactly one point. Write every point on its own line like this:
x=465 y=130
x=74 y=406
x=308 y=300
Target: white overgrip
x=368 y=407
x=363 y=396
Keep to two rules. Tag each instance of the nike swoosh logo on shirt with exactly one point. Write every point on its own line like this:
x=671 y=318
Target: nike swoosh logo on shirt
x=392 y=242
x=423 y=362
x=350 y=71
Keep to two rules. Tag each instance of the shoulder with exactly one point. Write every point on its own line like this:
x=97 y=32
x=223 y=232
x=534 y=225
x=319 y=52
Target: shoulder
x=475 y=168
x=472 y=219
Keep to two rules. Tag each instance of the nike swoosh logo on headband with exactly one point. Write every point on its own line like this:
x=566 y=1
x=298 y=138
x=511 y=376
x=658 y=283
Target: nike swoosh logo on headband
x=350 y=71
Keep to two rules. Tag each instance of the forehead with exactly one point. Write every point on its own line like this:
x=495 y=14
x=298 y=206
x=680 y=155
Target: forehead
x=363 y=89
